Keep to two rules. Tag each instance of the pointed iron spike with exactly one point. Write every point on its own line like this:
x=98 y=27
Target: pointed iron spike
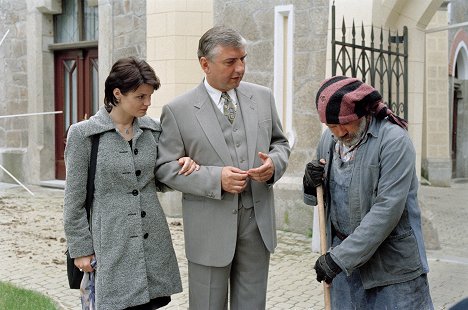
x=381 y=34
x=372 y=33
x=363 y=33
x=343 y=27
x=354 y=29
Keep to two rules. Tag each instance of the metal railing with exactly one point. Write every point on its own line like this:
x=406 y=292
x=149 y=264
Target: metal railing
x=383 y=63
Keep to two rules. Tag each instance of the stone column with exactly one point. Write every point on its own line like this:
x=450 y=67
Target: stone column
x=40 y=163
x=436 y=160
x=173 y=31
x=106 y=43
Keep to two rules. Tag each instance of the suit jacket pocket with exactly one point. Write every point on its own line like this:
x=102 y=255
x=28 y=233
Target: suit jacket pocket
x=265 y=123
x=191 y=197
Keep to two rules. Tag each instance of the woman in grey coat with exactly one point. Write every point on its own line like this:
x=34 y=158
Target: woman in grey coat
x=129 y=237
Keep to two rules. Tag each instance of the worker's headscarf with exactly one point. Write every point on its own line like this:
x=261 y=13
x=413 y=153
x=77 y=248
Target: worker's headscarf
x=341 y=100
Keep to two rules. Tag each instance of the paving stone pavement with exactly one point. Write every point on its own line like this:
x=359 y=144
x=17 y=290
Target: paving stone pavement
x=32 y=246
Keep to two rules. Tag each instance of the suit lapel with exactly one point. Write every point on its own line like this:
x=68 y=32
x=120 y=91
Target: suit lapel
x=249 y=113
x=209 y=123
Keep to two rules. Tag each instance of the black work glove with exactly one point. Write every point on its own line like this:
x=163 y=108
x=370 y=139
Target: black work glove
x=326 y=268
x=313 y=176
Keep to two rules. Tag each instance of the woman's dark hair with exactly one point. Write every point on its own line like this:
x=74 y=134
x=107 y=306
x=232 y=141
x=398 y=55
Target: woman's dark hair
x=127 y=74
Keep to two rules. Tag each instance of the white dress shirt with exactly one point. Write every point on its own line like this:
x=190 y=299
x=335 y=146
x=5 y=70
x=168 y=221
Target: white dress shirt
x=216 y=96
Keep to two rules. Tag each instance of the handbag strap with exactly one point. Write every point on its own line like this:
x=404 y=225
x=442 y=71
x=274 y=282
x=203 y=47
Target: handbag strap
x=91 y=174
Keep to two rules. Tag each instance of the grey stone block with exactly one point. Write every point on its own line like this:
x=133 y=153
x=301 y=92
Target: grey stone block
x=13 y=160
x=171 y=203
x=438 y=172
x=292 y=214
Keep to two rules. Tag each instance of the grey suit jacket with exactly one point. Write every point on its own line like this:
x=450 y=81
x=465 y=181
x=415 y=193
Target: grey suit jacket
x=190 y=128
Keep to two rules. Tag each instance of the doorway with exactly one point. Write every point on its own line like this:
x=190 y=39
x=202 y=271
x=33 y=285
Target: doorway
x=76 y=94
x=460 y=129
x=457 y=96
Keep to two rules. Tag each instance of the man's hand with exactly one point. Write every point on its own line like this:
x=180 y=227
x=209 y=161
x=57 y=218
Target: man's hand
x=233 y=180
x=84 y=263
x=188 y=166
x=313 y=175
x=265 y=171
x=326 y=268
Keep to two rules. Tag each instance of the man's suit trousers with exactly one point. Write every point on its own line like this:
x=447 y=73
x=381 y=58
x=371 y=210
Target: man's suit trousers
x=247 y=274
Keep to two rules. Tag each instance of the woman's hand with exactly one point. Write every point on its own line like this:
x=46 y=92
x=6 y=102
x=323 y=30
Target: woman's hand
x=84 y=263
x=188 y=166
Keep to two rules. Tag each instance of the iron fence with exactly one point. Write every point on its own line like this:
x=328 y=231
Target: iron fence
x=382 y=63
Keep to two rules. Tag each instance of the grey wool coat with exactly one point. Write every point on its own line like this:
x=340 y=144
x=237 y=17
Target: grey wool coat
x=130 y=236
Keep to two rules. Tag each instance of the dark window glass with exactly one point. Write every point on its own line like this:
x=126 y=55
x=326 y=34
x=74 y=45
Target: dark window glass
x=78 y=22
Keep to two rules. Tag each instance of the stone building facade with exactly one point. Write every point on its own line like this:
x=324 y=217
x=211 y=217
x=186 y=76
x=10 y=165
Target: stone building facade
x=444 y=146
x=288 y=51
x=27 y=75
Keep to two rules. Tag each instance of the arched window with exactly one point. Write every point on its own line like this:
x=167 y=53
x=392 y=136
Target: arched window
x=461 y=64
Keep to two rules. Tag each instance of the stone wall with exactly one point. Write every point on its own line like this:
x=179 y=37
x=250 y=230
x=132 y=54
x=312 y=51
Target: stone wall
x=13 y=86
x=129 y=32
x=458 y=14
x=256 y=22
x=122 y=33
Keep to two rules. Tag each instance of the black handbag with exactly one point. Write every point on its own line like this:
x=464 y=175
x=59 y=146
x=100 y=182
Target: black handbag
x=74 y=274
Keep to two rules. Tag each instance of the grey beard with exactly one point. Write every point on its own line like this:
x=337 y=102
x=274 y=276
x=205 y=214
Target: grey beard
x=356 y=137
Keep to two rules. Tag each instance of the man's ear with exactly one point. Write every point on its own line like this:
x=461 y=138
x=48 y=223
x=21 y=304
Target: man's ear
x=204 y=64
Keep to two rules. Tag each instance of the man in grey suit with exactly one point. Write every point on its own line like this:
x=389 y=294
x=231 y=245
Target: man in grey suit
x=231 y=128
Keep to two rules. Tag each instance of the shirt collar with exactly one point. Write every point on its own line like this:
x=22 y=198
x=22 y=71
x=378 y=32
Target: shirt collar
x=215 y=94
x=373 y=127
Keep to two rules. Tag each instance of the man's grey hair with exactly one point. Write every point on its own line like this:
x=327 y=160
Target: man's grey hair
x=219 y=36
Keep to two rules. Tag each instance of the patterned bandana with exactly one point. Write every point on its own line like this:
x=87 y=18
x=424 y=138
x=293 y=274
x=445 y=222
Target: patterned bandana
x=341 y=100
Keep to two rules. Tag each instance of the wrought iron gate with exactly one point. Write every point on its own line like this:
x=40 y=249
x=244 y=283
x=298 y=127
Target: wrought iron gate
x=383 y=64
